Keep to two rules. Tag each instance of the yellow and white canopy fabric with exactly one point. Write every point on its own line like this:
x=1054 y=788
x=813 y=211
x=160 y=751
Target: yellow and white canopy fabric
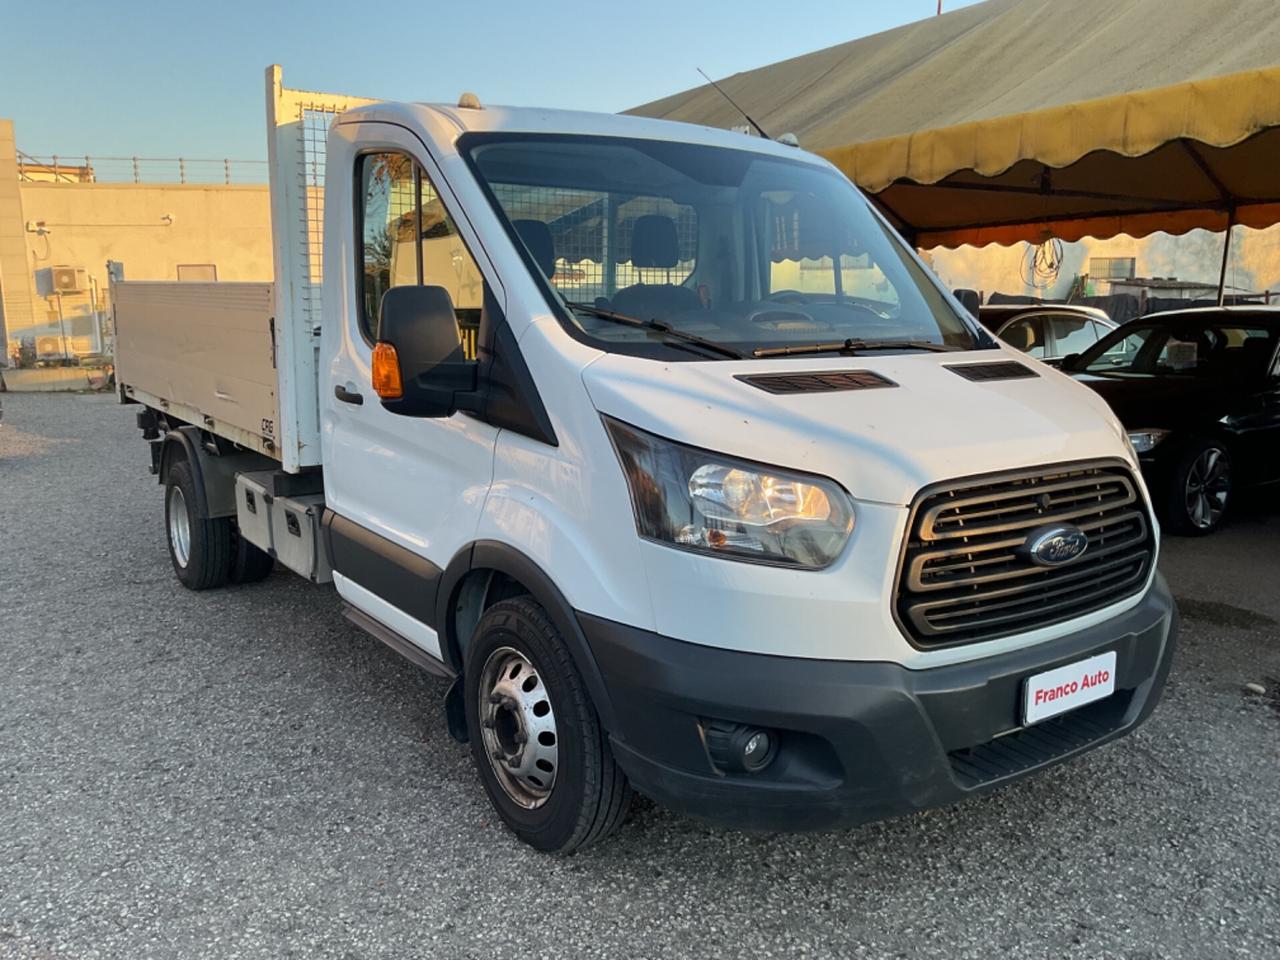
x=1023 y=119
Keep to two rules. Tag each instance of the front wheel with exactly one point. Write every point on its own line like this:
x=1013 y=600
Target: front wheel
x=536 y=740
x=1200 y=489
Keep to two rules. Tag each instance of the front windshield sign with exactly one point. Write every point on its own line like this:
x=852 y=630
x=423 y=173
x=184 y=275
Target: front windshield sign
x=736 y=248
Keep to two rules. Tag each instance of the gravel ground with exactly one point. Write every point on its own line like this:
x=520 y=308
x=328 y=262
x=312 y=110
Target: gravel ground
x=243 y=774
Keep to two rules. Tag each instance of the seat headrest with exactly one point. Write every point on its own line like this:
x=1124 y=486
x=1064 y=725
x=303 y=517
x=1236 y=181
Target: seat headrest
x=654 y=242
x=1254 y=352
x=537 y=237
x=1019 y=335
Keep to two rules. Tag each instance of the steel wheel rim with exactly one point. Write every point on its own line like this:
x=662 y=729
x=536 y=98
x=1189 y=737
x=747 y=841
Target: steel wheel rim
x=179 y=526
x=518 y=728
x=1208 y=487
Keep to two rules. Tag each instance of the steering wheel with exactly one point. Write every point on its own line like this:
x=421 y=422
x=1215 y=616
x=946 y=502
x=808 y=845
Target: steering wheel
x=786 y=296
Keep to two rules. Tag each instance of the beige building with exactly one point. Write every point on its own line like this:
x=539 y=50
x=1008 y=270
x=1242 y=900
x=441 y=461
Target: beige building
x=57 y=234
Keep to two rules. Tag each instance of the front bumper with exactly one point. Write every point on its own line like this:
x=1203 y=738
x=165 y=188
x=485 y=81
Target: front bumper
x=860 y=741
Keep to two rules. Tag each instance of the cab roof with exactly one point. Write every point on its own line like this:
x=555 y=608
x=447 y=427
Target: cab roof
x=499 y=119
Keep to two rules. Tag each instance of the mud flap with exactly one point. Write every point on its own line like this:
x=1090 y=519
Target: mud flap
x=455 y=713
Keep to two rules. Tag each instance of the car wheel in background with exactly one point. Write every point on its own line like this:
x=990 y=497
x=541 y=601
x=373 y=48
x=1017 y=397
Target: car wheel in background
x=1200 y=491
x=535 y=737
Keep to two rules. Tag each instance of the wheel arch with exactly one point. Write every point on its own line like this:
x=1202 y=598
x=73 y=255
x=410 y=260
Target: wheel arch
x=214 y=475
x=182 y=445
x=486 y=571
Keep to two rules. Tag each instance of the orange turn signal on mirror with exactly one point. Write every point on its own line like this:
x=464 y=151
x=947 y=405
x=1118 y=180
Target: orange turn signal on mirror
x=386 y=372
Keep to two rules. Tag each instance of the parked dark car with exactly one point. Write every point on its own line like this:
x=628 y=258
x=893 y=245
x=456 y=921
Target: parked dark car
x=1048 y=332
x=1199 y=393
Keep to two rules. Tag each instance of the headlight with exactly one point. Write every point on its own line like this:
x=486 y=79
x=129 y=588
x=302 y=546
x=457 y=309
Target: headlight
x=1144 y=441
x=701 y=501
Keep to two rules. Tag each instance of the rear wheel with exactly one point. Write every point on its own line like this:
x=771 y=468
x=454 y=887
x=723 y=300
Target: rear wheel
x=1200 y=491
x=249 y=564
x=199 y=547
x=536 y=740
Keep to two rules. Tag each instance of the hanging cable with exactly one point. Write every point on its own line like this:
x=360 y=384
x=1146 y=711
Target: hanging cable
x=1042 y=264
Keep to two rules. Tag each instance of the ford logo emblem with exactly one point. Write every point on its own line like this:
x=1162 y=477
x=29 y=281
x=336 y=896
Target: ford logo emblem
x=1055 y=544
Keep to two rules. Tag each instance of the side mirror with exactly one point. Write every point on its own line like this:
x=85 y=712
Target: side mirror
x=1069 y=362
x=419 y=369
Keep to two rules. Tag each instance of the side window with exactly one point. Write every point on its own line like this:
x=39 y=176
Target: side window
x=1123 y=352
x=447 y=263
x=388 y=218
x=406 y=237
x=1026 y=335
x=1073 y=334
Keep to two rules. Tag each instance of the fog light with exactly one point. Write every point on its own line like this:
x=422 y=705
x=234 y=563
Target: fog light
x=738 y=748
x=757 y=751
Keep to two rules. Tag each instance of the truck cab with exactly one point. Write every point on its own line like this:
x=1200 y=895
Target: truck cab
x=664 y=446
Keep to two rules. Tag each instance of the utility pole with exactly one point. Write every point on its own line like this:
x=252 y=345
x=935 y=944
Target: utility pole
x=939 y=7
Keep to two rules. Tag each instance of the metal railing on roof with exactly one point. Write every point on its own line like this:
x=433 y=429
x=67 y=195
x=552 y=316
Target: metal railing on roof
x=55 y=168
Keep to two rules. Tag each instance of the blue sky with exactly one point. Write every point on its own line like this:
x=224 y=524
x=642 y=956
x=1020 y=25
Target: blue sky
x=148 y=78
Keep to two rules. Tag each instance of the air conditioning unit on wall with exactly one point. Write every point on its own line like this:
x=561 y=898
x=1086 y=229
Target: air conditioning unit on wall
x=51 y=347
x=69 y=279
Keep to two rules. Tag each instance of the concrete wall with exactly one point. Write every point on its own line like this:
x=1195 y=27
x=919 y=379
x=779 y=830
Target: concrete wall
x=150 y=228
x=16 y=308
x=1254 y=265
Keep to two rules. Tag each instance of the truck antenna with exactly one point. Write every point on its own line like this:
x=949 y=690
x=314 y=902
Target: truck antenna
x=759 y=129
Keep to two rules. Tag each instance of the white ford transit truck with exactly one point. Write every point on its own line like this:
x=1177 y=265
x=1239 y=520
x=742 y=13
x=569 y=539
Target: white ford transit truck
x=663 y=446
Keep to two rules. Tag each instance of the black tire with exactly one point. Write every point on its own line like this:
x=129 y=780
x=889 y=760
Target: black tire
x=1200 y=488
x=205 y=562
x=589 y=797
x=249 y=564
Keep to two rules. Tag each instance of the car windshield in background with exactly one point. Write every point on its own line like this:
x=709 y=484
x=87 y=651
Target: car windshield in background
x=746 y=251
x=1215 y=347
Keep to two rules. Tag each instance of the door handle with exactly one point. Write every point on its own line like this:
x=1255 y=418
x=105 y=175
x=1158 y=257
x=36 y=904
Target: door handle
x=348 y=396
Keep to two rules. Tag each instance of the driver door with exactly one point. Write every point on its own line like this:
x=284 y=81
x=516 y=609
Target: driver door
x=404 y=493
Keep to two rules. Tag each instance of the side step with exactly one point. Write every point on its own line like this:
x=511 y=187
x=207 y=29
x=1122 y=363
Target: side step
x=401 y=645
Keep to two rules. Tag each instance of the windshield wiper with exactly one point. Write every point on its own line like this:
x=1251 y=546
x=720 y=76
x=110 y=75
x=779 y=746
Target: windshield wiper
x=664 y=328
x=853 y=346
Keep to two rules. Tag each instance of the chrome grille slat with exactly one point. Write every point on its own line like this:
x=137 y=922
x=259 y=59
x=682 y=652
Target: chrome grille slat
x=1104 y=525
x=1091 y=498
x=1046 y=612
x=996 y=600
x=962 y=578
x=1028 y=495
x=1035 y=520
x=1094 y=553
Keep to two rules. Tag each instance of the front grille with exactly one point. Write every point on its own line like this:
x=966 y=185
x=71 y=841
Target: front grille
x=966 y=575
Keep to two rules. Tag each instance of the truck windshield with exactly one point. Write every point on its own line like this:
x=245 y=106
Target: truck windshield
x=739 y=248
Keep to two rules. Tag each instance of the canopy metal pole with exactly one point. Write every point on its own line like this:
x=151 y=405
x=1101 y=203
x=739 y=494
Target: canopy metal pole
x=1226 y=255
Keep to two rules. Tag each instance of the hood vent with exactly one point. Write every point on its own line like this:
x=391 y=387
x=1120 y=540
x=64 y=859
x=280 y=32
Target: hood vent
x=1001 y=370
x=817 y=381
